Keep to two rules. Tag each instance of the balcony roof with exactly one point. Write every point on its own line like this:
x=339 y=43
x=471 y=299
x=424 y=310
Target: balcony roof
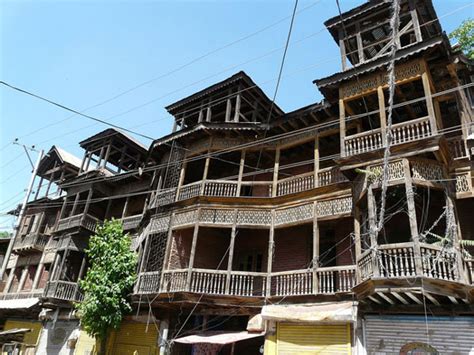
x=239 y=78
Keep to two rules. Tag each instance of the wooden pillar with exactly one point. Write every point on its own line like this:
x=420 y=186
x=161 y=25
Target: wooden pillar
x=360 y=45
x=175 y=125
x=383 y=115
x=429 y=101
x=24 y=273
x=271 y=247
x=208 y=114
x=357 y=241
x=342 y=126
x=193 y=253
x=82 y=168
x=50 y=180
x=233 y=233
x=205 y=172
x=169 y=241
x=412 y=217
x=101 y=154
x=107 y=153
x=342 y=47
x=10 y=280
x=275 y=172
x=61 y=178
x=316 y=247
x=241 y=172
x=414 y=18
x=82 y=269
x=228 y=110
x=237 y=108
x=54 y=269
x=63 y=261
x=88 y=162
x=88 y=202
x=316 y=160
x=181 y=178
x=107 y=209
x=63 y=208
x=39 y=187
x=74 y=206
x=38 y=273
x=372 y=230
x=125 y=207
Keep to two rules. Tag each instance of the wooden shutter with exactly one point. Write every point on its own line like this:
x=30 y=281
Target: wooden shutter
x=133 y=338
x=313 y=339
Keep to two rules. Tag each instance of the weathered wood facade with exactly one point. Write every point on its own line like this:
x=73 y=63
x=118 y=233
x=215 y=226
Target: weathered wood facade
x=243 y=205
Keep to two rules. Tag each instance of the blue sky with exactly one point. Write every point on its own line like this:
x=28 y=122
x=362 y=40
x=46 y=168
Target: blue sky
x=81 y=53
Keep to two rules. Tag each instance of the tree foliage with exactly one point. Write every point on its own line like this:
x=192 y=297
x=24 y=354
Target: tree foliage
x=464 y=34
x=4 y=235
x=109 y=279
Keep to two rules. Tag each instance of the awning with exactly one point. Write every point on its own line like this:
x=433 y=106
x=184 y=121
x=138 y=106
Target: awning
x=15 y=331
x=220 y=338
x=22 y=303
x=331 y=312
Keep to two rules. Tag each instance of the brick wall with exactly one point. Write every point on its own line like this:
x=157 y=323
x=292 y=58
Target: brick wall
x=212 y=248
x=250 y=242
x=293 y=248
x=181 y=241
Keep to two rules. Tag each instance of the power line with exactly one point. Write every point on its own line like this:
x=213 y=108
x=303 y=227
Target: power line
x=181 y=67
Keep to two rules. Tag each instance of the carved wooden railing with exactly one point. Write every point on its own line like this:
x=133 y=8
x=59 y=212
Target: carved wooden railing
x=210 y=282
x=294 y=184
x=247 y=283
x=162 y=198
x=469 y=265
x=256 y=188
x=131 y=222
x=463 y=183
x=401 y=132
x=35 y=241
x=220 y=188
x=336 y=279
x=439 y=263
x=400 y=261
x=63 y=290
x=81 y=220
x=457 y=147
x=189 y=191
x=329 y=176
x=290 y=283
x=148 y=282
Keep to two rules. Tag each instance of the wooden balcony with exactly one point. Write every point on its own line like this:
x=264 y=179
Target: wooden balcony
x=232 y=188
x=372 y=140
x=457 y=148
x=131 y=222
x=63 y=290
x=85 y=221
x=30 y=243
x=322 y=281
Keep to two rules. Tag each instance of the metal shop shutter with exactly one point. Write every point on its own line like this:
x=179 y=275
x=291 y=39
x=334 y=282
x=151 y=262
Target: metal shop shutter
x=133 y=338
x=313 y=339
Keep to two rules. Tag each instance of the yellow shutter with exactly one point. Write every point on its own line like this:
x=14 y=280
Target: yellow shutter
x=313 y=339
x=31 y=338
x=133 y=338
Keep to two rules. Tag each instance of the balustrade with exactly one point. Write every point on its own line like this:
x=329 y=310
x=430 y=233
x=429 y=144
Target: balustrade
x=81 y=220
x=469 y=264
x=63 y=290
x=220 y=188
x=291 y=283
x=131 y=222
x=401 y=133
x=399 y=261
x=439 y=263
x=31 y=241
x=335 y=279
x=247 y=283
x=457 y=147
x=295 y=184
x=189 y=191
x=210 y=282
x=162 y=198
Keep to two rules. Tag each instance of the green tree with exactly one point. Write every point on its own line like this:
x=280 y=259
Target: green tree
x=464 y=34
x=108 y=281
x=4 y=234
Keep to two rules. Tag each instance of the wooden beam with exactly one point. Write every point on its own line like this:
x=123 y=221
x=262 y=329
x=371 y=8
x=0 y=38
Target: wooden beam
x=431 y=298
x=228 y=110
x=372 y=298
x=275 y=172
x=384 y=297
x=316 y=247
x=342 y=126
x=271 y=246
x=413 y=297
x=382 y=114
x=399 y=297
x=429 y=100
x=241 y=172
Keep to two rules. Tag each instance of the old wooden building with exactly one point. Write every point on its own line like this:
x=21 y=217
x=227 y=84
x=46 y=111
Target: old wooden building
x=260 y=230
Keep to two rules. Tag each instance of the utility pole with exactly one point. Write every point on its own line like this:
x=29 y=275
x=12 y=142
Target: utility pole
x=22 y=210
